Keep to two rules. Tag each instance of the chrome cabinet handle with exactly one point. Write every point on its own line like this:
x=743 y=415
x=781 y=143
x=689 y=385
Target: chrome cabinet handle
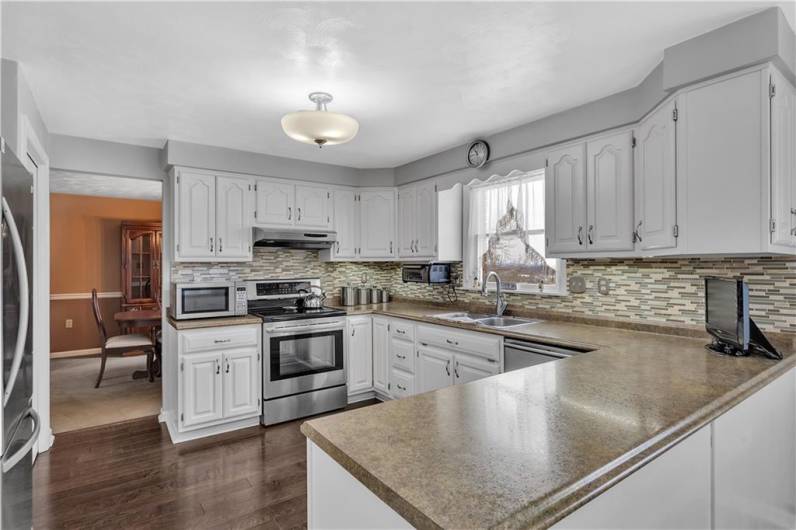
x=220 y=245
x=637 y=233
x=793 y=230
x=400 y=387
x=218 y=367
x=353 y=330
x=448 y=367
x=591 y=229
x=289 y=213
x=456 y=369
x=211 y=244
x=390 y=247
x=452 y=342
x=400 y=356
x=222 y=341
x=299 y=214
x=227 y=363
x=337 y=246
x=580 y=235
x=401 y=331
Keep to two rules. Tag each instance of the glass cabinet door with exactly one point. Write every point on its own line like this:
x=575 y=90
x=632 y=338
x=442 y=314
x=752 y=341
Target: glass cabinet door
x=140 y=264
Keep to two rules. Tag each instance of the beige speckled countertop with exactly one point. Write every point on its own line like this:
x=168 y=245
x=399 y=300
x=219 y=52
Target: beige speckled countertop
x=524 y=449
x=214 y=322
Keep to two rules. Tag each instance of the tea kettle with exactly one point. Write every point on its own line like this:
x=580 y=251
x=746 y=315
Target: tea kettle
x=311 y=300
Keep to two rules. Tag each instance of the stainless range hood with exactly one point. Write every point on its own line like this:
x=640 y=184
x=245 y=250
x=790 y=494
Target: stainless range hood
x=294 y=238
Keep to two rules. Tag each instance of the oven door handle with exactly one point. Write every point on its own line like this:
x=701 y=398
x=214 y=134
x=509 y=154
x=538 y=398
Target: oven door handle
x=291 y=330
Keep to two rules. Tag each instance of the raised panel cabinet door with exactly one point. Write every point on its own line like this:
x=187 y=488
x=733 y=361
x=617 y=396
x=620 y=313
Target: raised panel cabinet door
x=313 y=207
x=783 y=160
x=407 y=202
x=656 y=180
x=274 y=204
x=434 y=369
x=466 y=369
x=426 y=220
x=609 y=192
x=233 y=217
x=360 y=355
x=381 y=350
x=346 y=224
x=565 y=197
x=377 y=224
x=201 y=388
x=242 y=383
x=196 y=215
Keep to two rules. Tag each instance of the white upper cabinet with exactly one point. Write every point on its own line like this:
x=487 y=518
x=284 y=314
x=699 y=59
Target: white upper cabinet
x=656 y=180
x=407 y=219
x=274 y=204
x=783 y=161
x=313 y=207
x=346 y=224
x=377 y=224
x=609 y=192
x=565 y=199
x=233 y=217
x=195 y=215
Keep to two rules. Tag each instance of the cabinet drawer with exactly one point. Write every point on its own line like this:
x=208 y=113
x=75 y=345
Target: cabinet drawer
x=402 y=354
x=218 y=338
x=401 y=329
x=479 y=344
x=402 y=384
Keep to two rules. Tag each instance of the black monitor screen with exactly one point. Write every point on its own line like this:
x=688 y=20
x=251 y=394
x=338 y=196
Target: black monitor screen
x=727 y=311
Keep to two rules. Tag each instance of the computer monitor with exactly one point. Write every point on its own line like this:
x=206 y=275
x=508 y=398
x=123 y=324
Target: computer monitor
x=727 y=319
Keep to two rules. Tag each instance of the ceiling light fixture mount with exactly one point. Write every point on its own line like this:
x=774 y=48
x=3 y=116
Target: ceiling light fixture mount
x=320 y=127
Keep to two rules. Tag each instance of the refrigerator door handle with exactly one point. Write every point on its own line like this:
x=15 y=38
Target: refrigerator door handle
x=10 y=461
x=22 y=277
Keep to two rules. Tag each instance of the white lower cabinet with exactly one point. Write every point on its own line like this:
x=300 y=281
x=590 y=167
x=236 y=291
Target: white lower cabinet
x=434 y=368
x=468 y=368
x=360 y=354
x=218 y=384
x=381 y=354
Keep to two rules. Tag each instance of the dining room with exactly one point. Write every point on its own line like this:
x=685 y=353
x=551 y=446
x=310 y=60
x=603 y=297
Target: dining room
x=105 y=301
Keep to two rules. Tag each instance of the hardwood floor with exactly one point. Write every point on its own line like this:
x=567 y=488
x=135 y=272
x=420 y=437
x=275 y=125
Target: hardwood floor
x=130 y=475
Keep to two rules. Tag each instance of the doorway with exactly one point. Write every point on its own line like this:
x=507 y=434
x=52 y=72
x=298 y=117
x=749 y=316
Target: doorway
x=105 y=271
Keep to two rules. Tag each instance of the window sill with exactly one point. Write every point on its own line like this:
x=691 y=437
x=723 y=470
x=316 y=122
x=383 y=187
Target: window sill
x=491 y=290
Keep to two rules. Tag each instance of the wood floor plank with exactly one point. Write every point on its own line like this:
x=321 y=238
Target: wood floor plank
x=130 y=475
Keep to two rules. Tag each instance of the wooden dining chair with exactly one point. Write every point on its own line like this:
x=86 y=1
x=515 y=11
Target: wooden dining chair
x=120 y=344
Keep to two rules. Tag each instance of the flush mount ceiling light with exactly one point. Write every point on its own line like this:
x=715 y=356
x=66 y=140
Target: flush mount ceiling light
x=319 y=126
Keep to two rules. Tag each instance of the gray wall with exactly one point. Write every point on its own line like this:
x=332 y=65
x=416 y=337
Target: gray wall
x=17 y=101
x=84 y=155
x=755 y=39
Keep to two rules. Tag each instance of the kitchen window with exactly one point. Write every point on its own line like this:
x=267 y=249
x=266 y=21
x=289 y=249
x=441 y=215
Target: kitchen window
x=505 y=232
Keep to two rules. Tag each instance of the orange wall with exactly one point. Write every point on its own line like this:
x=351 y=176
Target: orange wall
x=85 y=253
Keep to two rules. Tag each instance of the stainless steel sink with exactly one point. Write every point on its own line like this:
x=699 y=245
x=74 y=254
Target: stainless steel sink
x=462 y=317
x=504 y=322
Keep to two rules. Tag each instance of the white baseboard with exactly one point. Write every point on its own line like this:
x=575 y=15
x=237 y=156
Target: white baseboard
x=75 y=353
x=179 y=437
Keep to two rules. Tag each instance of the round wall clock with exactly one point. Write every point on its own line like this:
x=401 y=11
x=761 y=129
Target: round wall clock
x=477 y=153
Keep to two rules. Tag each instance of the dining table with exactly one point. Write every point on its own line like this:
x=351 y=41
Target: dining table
x=142 y=318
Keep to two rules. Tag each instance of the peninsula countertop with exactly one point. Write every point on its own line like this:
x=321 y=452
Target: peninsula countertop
x=526 y=448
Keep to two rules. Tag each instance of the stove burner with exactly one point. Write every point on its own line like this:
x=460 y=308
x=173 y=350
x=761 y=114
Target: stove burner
x=278 y=314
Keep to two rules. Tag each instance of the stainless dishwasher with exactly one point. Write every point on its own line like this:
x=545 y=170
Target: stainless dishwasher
x=522 y=354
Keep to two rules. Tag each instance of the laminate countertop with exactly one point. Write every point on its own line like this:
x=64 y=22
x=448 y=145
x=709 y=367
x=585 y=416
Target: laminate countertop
x=199 y=323
x=524 y=449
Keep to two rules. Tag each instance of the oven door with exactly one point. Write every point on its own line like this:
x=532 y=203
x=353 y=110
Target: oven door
x=300 y=357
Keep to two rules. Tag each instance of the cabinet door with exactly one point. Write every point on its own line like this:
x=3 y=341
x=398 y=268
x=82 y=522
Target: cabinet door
x=201 y=388
x=381 y=346
x=406 y=222
x=233 y=217
x=466 y=369
x=783 y=161
x=196 y=215
x=434 y=368
x=360 y=355
x=274 y=204
x=565 y=196
x=346 y=224
x=609 y=192
x=377 y=223
x=242 y=383
x=426 y=220
x=313 y=207
x=655 y=179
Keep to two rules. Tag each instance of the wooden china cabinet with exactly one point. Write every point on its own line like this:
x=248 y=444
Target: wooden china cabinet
x=141 y=251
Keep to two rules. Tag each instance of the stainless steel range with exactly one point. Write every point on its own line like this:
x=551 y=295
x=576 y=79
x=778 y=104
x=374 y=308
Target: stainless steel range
x=303 y=358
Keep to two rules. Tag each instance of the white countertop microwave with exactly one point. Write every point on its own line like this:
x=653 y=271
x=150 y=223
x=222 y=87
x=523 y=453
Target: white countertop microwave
x=207 y=300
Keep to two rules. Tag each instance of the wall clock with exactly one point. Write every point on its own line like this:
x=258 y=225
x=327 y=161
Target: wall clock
x=477 y=153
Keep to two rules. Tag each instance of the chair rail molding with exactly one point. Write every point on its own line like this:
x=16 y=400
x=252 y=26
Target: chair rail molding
x=84 y=296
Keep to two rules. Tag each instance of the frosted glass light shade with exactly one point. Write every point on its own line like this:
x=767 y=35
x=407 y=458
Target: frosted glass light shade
x=320 y=127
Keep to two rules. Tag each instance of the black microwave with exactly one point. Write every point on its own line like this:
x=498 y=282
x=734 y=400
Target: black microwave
x=426 y=273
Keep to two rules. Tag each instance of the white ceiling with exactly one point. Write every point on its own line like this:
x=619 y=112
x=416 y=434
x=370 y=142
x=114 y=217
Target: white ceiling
x=104 y=186
x=420 y=77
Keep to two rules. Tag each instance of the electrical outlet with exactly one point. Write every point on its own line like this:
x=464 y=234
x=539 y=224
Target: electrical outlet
x=68 y=323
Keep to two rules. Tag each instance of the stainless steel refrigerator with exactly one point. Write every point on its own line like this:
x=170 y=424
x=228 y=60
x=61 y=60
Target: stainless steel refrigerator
x=20 y=423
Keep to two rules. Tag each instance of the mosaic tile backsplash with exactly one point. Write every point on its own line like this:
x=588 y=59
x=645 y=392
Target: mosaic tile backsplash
x=646 y=290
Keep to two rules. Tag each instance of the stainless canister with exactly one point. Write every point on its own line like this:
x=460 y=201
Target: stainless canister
x=348 y=295
x=363 y=295
x=385 y=296
x=375 y=295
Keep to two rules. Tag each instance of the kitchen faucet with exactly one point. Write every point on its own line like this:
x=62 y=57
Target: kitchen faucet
x=500 y=303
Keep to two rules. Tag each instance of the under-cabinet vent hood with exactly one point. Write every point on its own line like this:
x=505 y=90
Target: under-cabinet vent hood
x=294 y=238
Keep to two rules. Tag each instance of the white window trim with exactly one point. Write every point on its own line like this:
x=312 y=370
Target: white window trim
x=559 y=289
